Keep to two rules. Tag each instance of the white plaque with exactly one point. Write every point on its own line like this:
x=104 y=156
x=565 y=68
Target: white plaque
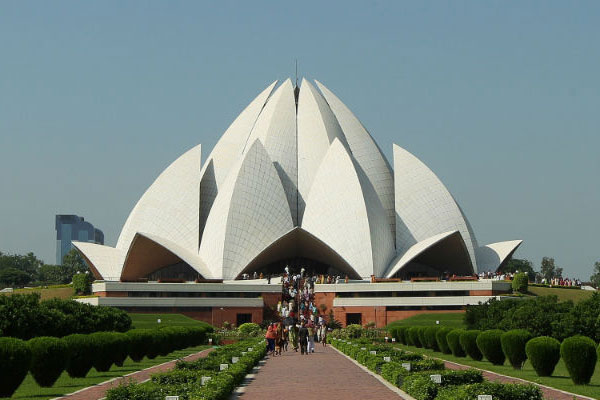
x=436 y=378
x=171 y=397
x=406 y=366
x=250 y=349
x=387 y=359
x=484 y=397
x=234 y=359
x=386 y=339
x=373 y=352
x=393 y=340
x=209 y=340
x=244 y=353
x=355 y=345
x=224 y=367
x=205 y=379
x=363 y=348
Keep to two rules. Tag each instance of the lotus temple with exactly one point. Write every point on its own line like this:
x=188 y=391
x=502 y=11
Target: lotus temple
x=296 y=182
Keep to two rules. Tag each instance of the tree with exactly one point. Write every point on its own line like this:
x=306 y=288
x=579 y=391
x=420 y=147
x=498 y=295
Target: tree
x=595 y=278
x=73 y=262
x=514 y=264
x=14 y=277
x=548 y=269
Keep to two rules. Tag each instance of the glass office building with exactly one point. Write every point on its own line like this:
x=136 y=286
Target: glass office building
x=74 y=227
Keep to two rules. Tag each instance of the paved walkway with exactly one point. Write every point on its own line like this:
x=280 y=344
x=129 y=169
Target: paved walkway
x=325 y=374
x=549 y=393
x=99 y=391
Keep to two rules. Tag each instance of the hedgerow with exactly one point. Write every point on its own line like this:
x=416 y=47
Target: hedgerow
x=49 y=356
x=490 y=345
x=543 y=353
x=513 y=346
x=468 y=342
x=579 y=356
x=15 y=358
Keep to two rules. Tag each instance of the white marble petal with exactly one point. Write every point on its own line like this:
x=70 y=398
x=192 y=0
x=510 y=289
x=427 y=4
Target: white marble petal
x=491 y=256
x=104 y=261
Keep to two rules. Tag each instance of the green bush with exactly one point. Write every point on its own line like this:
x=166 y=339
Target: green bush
x=82 y=284
x=520 y=283
x=468 y=341
x=513 y=346
x=442 y=341
x=430 y=337
x=140 y=341
x=49 y=356
x=81 y=354
x=421 y=333
x=104 y=357
x=420 y=386
x=15 y=358
x=490 y=345
x=402 y=332
x=453 y=339
x=120 y=350
x=354 y=330
x=498 y=391
x=249 y=329
x=413 y=336
x=579 y=355
x=543 y=353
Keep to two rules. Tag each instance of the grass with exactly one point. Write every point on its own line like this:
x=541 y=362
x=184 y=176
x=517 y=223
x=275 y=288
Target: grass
x=60 y=292
x=560 y=379
x=65 y=384
x=451 y=320
x=563 y=294
x=144 y=321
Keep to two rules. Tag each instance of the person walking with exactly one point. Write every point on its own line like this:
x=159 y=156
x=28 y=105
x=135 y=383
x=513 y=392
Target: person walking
x=271 y=336
x=278 y=339
x=303 y=338
x=324 y=335
x=311 y=339
x=294 y=336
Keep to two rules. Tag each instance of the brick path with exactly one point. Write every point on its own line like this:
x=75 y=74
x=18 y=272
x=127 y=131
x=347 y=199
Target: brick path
x=325 y=374
x=99 y=391
x=549 y=393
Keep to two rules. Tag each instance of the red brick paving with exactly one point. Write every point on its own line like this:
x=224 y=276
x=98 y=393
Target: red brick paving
x=549 y=393
x=99 y=391
x=325 y=374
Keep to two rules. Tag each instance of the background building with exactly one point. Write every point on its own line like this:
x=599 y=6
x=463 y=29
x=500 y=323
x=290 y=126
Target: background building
x=70 y=228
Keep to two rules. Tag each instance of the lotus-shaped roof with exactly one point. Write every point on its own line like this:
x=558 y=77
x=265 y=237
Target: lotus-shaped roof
x=296 y=175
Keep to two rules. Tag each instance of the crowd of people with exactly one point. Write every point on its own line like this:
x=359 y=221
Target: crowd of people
x=562 y=282
x=300 y=323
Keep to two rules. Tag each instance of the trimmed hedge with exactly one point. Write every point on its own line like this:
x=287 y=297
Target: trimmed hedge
x=442 y=340
x=490 y=345
x=104 y=358
x=49 y=356
x=430 y=339
x=15 y=358
x=520 y=283
x=453 y=339
x=395 y=373
x=413 y=337
x=498 y=391
x=81 y=354
x=420 y=386
x=544 y=353
x=421 y=334
x=140 y=343
x=121 y=344
x=468 y=342
x=249 y=329
x=579 y=355
x=513 y=345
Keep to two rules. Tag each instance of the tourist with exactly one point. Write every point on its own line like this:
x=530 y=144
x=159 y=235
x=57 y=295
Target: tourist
x=324 y=335
x=311 y=339
x=271 y=336
x=293 y=336
x=278 y=339
x=303 y=338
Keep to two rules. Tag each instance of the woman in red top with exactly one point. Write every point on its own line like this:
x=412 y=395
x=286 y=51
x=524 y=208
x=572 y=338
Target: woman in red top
x=270 y=336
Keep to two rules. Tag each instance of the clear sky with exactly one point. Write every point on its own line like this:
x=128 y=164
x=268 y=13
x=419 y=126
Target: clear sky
x=499 y=98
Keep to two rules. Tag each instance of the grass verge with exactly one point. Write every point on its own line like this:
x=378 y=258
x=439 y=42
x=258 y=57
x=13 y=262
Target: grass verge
x=65 y=384
x=562 y=294
x=559 y=380
x=149 y=321
x=451 y=320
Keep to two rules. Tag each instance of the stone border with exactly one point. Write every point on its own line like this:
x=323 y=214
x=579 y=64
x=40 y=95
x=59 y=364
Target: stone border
x=393 y=388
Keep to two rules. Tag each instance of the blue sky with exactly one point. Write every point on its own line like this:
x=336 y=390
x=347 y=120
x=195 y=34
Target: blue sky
x=499 y=98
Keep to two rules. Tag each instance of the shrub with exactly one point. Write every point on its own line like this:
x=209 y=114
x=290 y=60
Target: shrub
x=354 y=331
x=520 y=283
x=402 y=332
x=430 y=339
x=140 y=341
x=421 y=334
x=15 y=358
x=162 y=342
x=82 y=284
x=420 y=386
x=490 y=345
x=441 y=338
x=104 y=358
x=468 y=341
x=120 y=348
x=579 y=355
x=498 y=391
x=544 y=353
x=81 y=354
x=413 y=336
x=249 y=329
x=453 y=339
x=49 y=356
x=513 y=346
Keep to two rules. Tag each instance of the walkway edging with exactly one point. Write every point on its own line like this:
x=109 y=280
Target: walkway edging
x=393 y=388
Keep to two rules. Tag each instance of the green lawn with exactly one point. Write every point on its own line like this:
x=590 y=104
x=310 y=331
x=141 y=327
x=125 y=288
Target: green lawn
x=65 y=385
x=150 y=320
x=452 y=320
x=559 y=380
x=563 y=294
